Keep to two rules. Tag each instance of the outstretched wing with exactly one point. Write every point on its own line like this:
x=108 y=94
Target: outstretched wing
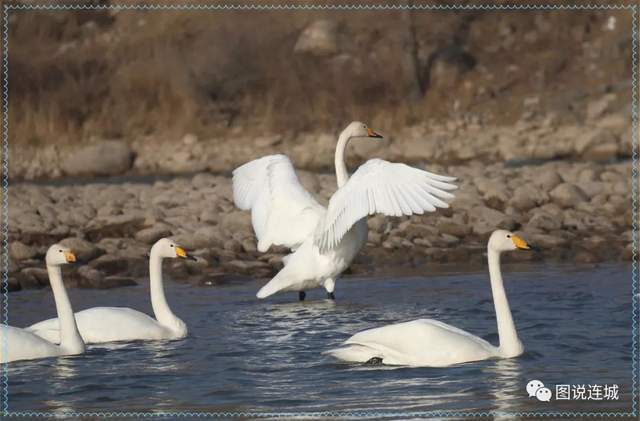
x=380 y=186
x=282 y=211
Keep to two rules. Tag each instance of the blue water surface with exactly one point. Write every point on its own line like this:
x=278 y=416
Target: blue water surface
x=243 y=354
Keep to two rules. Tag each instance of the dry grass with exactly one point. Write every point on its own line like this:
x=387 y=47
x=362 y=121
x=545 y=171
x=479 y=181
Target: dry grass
x=74 y=75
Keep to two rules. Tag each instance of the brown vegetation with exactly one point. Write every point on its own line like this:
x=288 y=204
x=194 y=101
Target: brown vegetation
x=77 y=75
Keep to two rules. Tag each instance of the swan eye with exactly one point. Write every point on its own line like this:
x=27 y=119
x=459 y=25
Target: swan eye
x=508 y=235
x=171 y=245
x=60 y=251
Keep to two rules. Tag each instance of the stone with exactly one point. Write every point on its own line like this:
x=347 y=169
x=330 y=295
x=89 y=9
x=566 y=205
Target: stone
x=568 y=195
x=319 y=38
x=486 y=220
x=527 y=197
x=152 y=234
x=20 y=251
x=547 y=179
x=545 y=221
x=83 y=249
x=99 y=159
x=598 y=107
x=90 y=277
x=110 y=264
x=114 y=226
x=33 y=277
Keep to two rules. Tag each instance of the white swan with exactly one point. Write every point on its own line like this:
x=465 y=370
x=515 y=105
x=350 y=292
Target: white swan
x=18 y=344
x=324 y=241
x=111 y=324
x=430 y=343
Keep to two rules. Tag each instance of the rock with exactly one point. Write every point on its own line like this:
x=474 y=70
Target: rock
x=236 y=221
x=486 y=220
x=208 y=237
x=547 y=179
x=152 y=234
x=319 y=38
x=114 y=226
x=20 y=251
x=568 y=195
x=33 y=278
x=110 y=264
x=84 y=250
x=599 y=107
x=545 y=221
x=527 y=197
x=451 y=227
x=90 y=277
x=546 y=241
x=99 y=159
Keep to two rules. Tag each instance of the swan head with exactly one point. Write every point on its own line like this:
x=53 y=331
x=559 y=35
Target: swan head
x=59 y=255
x=502 y=240
x=358 y=129
x=167 y=248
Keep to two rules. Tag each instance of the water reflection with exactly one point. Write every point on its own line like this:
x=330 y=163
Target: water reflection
x=505 y=385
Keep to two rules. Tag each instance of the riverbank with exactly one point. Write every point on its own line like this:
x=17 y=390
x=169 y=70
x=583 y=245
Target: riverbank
x=574 y=211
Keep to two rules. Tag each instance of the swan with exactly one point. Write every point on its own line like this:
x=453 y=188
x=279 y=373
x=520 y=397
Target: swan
x=20 y=344
x=430 y=343
x=324 y=241
x=113 y=324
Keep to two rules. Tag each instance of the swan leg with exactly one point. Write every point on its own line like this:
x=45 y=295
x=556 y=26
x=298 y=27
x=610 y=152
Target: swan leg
x=301 y=295
x=374 y=361
x=330 y=285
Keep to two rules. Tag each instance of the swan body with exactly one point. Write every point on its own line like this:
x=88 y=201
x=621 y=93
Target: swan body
x=324 y=241
x=24 y=345
x=430 y=343
x=114 y=324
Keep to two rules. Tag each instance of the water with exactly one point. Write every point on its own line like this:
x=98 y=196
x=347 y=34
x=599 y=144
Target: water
x=248 y=355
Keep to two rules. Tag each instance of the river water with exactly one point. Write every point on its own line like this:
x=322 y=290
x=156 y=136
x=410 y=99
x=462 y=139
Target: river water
x=245 y=355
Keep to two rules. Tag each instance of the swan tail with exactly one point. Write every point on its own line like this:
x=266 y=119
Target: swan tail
x=279 y=282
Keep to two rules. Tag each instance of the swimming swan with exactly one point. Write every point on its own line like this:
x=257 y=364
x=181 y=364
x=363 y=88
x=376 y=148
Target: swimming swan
x=19 y=344
x=324 y=241
x=111 y=324
x=432 y=343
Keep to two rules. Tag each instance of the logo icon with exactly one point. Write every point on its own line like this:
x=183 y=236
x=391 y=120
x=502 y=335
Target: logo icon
x=536 y=388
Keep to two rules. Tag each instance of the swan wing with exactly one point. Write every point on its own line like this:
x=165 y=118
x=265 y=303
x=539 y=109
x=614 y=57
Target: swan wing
x=416 y=343
x=107 y=324
x=380 y=186
x=282 y=211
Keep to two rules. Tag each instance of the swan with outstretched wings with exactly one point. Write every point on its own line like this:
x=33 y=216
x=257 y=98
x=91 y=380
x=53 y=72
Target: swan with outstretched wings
x=324 y=241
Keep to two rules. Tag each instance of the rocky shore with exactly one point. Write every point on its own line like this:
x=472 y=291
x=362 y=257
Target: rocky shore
x=574 y=211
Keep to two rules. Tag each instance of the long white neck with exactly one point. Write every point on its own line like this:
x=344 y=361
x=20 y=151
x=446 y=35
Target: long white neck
x=342 y=175
x=510 y=345
x=70 y=339
x=161 y=309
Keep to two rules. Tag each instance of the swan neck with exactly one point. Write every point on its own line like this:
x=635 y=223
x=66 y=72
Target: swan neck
x=70 y=339
x=342 y=175
x=161 y=308
x=510 y=345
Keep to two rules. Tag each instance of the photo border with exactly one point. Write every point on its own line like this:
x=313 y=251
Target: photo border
x=633 y=8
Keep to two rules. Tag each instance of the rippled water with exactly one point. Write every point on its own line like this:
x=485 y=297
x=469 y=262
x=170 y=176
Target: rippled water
x=248 y=355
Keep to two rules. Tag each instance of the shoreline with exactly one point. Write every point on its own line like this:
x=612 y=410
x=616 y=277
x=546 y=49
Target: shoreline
x=575 y=212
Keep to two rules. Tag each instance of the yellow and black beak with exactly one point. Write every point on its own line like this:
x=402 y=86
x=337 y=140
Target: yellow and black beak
x=371 y=133
x=182 y=253
x=71 y=258
x=521 y=244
